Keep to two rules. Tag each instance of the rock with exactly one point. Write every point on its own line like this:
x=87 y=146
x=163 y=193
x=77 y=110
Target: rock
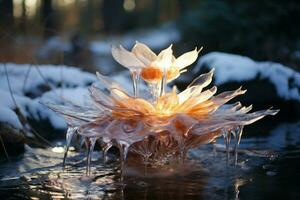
x=13 y=140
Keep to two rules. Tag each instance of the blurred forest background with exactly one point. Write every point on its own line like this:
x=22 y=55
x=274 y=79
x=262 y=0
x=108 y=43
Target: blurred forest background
x=260 y=29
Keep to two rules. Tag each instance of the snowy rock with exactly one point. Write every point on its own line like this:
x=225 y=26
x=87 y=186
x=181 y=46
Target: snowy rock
x=30 y=85
x=268 y=83
x=31 y=109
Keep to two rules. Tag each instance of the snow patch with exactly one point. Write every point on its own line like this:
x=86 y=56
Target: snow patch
x=236 y=68
x=77 y=96
x=8 y=116
x=39 y=76
x=29 y=108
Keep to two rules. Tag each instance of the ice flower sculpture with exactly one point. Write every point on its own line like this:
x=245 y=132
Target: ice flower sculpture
x=163 y=127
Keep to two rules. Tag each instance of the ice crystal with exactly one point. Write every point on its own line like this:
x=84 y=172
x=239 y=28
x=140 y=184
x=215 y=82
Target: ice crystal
x=162 y=128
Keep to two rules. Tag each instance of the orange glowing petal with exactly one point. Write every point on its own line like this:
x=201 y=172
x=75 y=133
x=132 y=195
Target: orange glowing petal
x=166 y=104
x=155 y=74
x=173 y=73
x=139 y=105
x=203 y=109
x=178 y=124
x=151 y=74
x=196 y=99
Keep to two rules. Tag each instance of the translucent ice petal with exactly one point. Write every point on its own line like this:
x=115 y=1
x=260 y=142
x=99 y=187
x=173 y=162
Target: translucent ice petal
x=203 y=80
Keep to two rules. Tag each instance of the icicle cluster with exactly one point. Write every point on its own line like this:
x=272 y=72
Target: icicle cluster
x=164 y=126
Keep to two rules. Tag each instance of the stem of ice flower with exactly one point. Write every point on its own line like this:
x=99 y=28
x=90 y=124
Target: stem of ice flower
x=135 y=78
x=163 y=83
x=154 y=89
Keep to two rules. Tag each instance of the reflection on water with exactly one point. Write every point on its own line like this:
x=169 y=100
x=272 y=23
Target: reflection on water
x=262 y=160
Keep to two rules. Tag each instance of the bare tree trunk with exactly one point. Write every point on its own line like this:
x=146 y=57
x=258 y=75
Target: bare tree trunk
x=6 y=14
x=156 y=11
x=113 y=15
x=24 y=17
x=182 y=6
x=48 y=18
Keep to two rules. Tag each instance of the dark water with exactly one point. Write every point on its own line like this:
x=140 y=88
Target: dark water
x=268 y=168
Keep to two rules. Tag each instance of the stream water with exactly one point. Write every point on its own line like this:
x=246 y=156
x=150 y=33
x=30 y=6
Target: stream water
x=268 y=168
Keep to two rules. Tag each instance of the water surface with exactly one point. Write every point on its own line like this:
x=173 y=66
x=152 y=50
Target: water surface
x=268 y=168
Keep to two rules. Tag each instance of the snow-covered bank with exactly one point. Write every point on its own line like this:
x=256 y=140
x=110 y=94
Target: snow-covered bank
x=33 y=85
x=235 y=68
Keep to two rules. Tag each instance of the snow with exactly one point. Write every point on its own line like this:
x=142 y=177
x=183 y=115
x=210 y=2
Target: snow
x=156 y=38
x=77 y=96
x=8 y=116
x=41 y=75
x=74 y=89
x=236 y=68
x=30 y=108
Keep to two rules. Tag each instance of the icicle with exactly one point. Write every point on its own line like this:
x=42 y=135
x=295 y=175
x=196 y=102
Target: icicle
x=214 y=148
x=182 y=150
x=237 y=132
x=123 y=148
x=106 y=147
x=82 y=141
x=90 y=148
x=226 y=136
x=135 y=77
x=69 y=136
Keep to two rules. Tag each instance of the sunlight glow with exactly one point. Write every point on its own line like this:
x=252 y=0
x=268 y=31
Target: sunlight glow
x=129 y=5
x=30 y=8
x=58 y=150
x=17 y=8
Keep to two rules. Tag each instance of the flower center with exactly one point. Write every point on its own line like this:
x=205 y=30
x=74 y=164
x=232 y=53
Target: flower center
x=154 y=74
x=151 y=74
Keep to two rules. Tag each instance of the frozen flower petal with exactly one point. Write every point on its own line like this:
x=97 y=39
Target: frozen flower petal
x=126 y=58
x=186 y=59
x=144 y=53
x=108 y=83
x=203 y=80
x=164 y=59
